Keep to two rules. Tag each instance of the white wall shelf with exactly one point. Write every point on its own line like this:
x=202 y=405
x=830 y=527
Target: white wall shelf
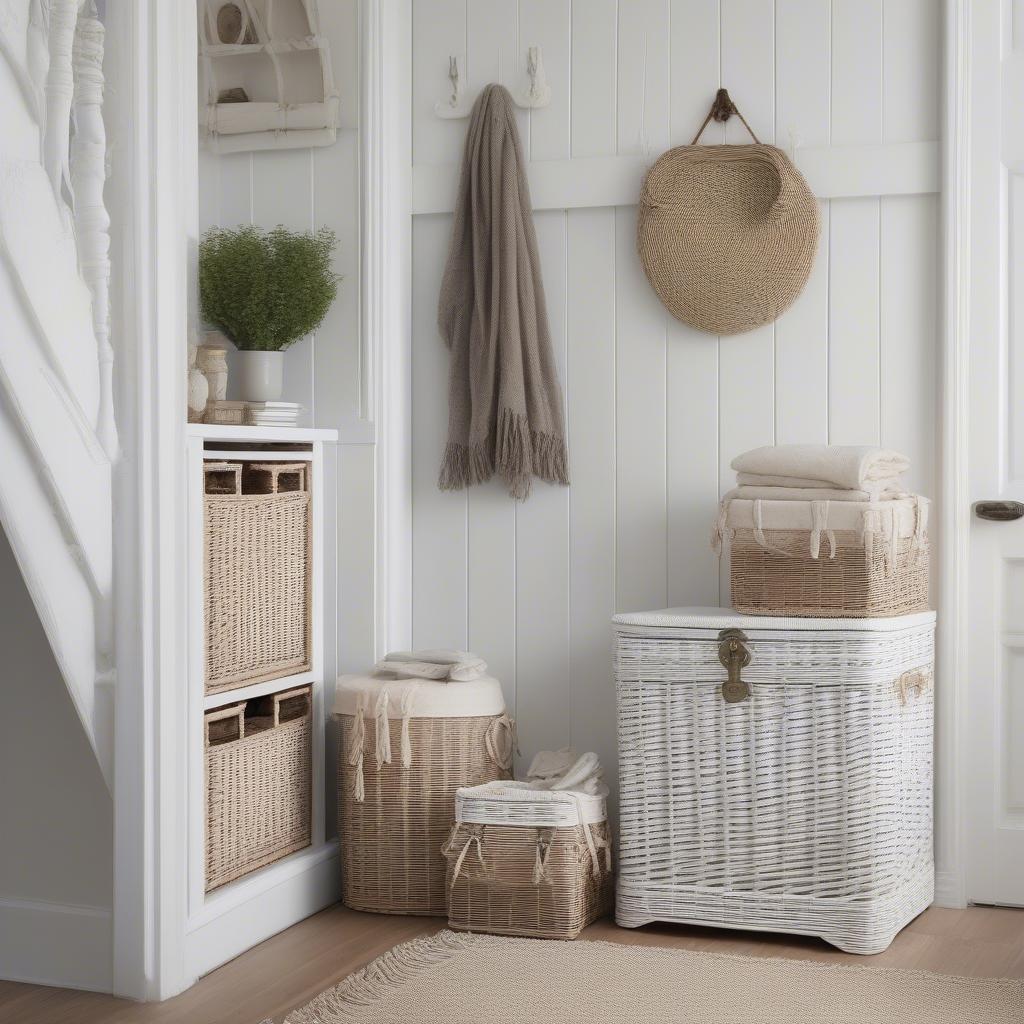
x=261 y=689
x=260 y=435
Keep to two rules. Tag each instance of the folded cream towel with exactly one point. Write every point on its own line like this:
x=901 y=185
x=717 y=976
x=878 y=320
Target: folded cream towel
x=773 y=493
x=565 y=770
x=439 y=665
x=850 y=467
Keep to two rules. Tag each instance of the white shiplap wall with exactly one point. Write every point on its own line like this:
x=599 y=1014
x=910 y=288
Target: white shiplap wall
x=307 y=189
x=656 y=410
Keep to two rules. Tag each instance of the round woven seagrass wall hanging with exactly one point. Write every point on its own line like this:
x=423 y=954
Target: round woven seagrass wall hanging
x=726 y=234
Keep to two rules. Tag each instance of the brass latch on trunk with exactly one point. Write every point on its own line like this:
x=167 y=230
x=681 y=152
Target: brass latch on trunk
x=733 y=654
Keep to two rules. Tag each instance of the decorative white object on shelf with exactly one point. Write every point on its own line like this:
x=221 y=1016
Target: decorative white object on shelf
x=198 y=387
x=775 y=773
x=260 y=374
x=212 y=360
x=270 y=84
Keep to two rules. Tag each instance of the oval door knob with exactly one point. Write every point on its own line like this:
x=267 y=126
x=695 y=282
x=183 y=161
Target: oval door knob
x=999 y=511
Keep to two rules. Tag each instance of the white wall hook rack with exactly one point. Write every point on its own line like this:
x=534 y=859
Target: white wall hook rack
x=454 y=107
x=538 y=93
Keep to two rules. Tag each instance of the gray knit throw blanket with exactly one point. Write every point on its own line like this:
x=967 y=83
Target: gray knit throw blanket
x=504 y=396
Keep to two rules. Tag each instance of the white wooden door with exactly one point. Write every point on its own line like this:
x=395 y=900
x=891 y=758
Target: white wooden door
x=994 y=690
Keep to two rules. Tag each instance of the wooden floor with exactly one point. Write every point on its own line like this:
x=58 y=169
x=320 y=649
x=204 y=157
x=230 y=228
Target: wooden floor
x=291 y=968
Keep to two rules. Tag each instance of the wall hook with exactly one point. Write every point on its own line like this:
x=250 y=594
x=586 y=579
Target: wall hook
x=453 y=107
x=539 y=92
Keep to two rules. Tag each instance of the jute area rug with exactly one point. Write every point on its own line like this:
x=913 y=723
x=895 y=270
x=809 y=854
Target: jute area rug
x=453 y=978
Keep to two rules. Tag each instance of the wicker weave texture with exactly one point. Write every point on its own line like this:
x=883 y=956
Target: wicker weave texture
x=257 y=587
x=858 y=582
x=805 y=808
x=258 y=784
x=391 y=839
x=518 y=880
x=726 y=234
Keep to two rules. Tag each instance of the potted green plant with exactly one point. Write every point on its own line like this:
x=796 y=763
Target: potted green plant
x=264 y=290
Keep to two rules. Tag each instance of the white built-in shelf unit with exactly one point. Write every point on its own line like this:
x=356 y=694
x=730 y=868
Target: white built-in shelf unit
x=220 y=922
x=269 y=84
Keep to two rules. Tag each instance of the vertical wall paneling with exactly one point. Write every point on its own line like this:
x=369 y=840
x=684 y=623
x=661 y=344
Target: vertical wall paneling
x=439 y=537
x=542 y=553
x=696 y=72
x=590 y=393
x=641 y=459
x=655 y=410
x=854 y=361
x=593 y=90
x=337 y=352
x=642 y=98
x=643 y=76
x=803 y=38
x=909 y=243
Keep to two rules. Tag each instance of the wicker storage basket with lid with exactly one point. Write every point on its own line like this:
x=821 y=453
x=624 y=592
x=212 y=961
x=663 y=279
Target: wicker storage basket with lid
x=407 y=746
x=523 y=861
x=845 y=559
x=775 y=774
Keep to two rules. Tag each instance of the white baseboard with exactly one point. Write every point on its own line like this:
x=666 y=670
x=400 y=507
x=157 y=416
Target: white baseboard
x=949 y=890
x=260 y=906
x=56 y=944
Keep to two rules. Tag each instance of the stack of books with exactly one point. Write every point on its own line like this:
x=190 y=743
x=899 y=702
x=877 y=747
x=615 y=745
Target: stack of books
x=273 y=414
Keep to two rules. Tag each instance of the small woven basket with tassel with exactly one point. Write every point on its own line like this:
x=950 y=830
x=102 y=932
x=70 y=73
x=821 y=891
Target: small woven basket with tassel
x=407 y=747
x=528 y=862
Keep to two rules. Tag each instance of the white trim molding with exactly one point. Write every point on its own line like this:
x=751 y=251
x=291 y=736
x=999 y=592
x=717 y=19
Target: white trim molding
x=152 y=127
x=904 y=168
x=77 y=941
x=954 y=525
x=387 y=300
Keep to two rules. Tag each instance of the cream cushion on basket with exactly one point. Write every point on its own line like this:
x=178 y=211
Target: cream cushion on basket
x=429 y=699
x=726 y=234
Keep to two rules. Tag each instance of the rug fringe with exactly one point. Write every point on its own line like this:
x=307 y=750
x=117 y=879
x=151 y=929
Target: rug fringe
x=378 y=978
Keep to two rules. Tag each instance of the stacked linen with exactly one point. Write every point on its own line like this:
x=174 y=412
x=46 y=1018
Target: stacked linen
x=825 y=531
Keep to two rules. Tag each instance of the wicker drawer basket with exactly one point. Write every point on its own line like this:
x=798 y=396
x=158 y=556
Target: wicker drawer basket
x=523 y=862
x=256 y=572
x=775 y=774
x=827 y=559
x=407 y=746
x=258 y=783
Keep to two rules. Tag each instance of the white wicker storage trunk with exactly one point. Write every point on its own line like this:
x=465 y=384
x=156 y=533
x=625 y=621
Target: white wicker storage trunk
x=775 y=773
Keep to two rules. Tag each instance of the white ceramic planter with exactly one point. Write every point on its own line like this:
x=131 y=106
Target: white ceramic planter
x=260 y=376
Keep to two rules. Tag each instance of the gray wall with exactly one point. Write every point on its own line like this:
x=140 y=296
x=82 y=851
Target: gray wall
x=57 y=833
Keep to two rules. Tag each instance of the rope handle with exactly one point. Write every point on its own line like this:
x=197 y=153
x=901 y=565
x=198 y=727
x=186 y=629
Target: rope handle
x=721 y=110
x=916 y=679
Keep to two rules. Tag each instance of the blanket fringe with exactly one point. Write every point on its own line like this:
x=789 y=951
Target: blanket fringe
x=519 y=454
x=348 y=1000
